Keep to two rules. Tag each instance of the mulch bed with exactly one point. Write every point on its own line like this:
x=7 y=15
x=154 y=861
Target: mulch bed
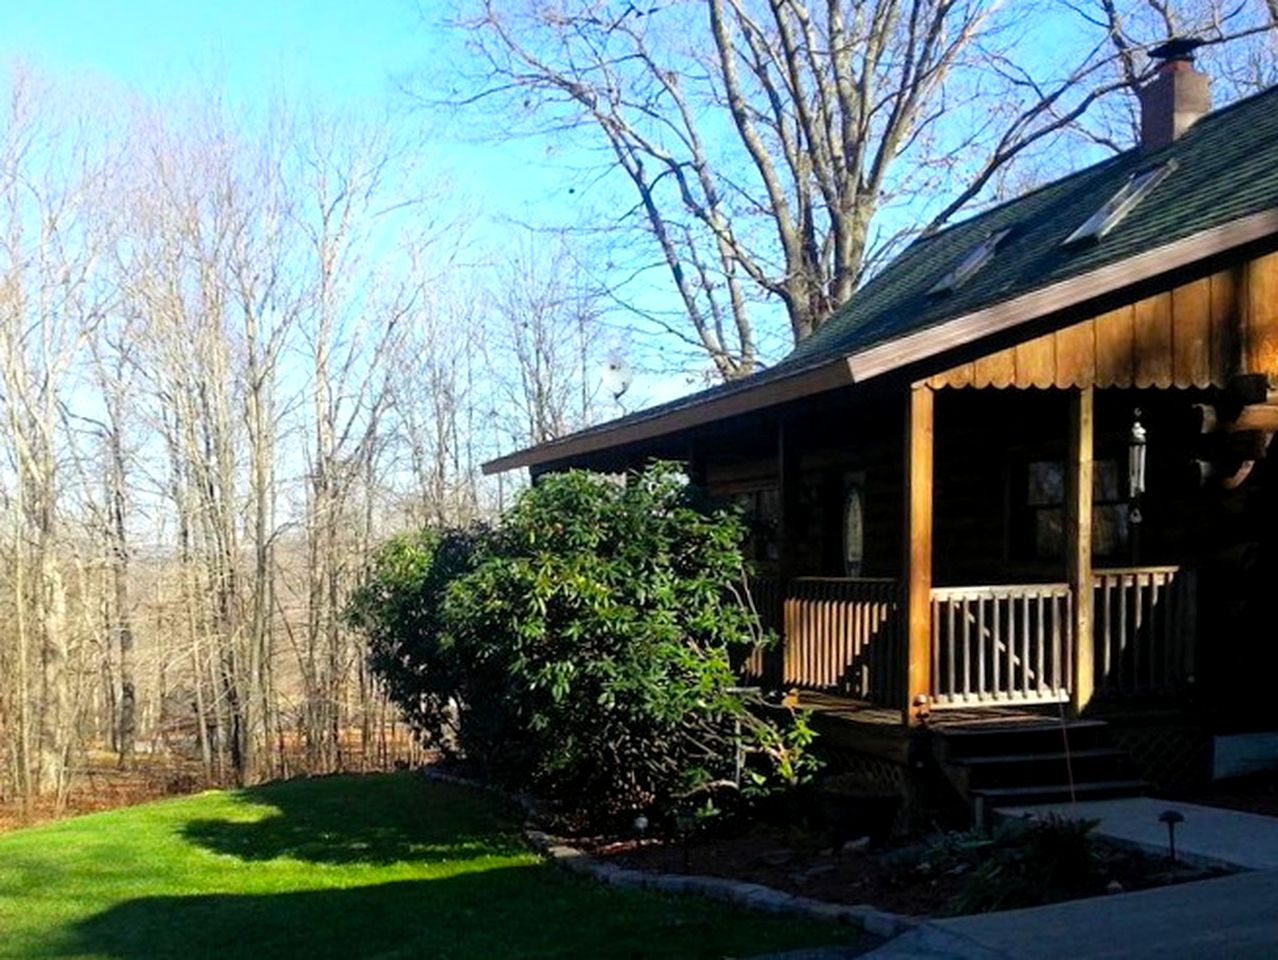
x=889 y=878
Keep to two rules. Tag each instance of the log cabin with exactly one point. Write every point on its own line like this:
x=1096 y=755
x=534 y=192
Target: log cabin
x=1012 y=514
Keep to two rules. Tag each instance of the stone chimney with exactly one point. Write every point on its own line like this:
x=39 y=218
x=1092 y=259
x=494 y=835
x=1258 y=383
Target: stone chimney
x=1177 y=95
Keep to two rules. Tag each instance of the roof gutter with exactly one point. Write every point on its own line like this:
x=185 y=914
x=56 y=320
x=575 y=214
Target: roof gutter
x=909 y=349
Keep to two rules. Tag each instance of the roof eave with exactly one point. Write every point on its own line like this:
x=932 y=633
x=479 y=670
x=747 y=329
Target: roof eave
x=912 y=348
x=828 y=375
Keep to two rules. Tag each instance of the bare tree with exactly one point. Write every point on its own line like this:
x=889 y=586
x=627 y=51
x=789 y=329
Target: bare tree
x=114 y=377
x=442 y=412
x=199 y=450
x=201 y=273
x=49 y=300
x=766 y=142
x=544 y=342
x=350 y=186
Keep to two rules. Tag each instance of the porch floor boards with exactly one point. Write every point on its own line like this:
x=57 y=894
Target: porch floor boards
x=846 y=708
x=860 y=712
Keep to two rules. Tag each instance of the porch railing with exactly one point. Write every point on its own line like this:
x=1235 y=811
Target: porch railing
x=843 y=636
x=767 y=594
x=990 y=644
x=1002 y=643
x=1145 y=623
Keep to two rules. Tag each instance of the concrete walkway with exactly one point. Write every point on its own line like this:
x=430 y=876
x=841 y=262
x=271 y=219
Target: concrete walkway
x=1207 y=835
x=1231 y=918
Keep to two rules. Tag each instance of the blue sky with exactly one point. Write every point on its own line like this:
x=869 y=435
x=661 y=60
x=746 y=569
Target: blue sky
x=339 y=54
x=331 y=48
x=343 y=54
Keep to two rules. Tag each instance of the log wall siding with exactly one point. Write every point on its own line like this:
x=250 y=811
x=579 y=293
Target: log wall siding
x=1198 y=334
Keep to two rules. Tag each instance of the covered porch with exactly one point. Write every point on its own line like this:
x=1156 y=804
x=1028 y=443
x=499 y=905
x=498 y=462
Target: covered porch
x=1012 y=576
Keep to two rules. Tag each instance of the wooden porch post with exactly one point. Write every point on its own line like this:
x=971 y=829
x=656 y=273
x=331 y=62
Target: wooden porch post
x=1078 y=541
x=917 y=568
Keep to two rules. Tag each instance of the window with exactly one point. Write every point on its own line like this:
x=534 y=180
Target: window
x=1113 y=211
x=853 y=532
x=970 y=264
x=761 y=511
x=1044 y=528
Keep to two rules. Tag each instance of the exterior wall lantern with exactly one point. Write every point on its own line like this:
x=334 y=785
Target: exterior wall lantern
x=1135 y=466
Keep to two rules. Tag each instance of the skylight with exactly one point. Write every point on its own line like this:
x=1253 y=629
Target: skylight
x=977 y=258
x=1113 y=211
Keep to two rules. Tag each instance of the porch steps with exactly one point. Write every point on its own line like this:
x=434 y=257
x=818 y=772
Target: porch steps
x=995 y=764
x=1053 y=793
x=1031 y=769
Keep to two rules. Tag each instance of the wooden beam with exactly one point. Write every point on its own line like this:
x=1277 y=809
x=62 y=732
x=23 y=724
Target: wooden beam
x=1260 y=329
x=917 y=649
x=1256 y=416
x=1078 y=541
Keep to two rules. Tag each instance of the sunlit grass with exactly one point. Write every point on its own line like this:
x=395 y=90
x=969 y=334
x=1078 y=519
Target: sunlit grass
x=379 y=866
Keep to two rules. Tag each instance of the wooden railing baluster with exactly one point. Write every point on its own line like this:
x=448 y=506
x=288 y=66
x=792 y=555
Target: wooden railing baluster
x=989 y=643
x=1026 y=674
x=841 y=636
x=1000 y=643
x=1146 y=635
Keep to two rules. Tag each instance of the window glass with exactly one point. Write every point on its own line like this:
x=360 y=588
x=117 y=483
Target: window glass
x=1105 y=481
x=761 y=511
x=970 y=264
x=1113 y=210
x=1049 y=533
x=1046 y=483
x=853 y=532
x=1044 y=503
x=1109 y=529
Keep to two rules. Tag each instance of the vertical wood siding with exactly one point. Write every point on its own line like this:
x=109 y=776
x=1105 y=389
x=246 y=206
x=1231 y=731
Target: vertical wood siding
x=1198 y=334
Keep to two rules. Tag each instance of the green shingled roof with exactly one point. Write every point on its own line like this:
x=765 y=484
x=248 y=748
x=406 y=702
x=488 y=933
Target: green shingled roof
x=1226 y=168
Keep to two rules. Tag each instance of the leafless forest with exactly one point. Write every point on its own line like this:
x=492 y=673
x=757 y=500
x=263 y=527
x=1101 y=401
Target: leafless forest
x=236 y=352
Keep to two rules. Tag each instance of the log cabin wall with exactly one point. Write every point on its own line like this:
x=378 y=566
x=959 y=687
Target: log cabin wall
x=843 y=439
x=852 y=441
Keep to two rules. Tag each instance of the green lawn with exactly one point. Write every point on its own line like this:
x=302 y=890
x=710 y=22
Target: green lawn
x=377 y=866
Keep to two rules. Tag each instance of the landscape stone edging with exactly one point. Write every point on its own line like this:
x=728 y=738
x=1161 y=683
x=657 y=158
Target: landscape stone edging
x=752 y=895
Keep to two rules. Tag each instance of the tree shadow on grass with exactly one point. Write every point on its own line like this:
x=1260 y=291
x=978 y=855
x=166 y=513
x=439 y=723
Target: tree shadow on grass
x=361 y=820
x=474 y=908
x=514 y=912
